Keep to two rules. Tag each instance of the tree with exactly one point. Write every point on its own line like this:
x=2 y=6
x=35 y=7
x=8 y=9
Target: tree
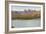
x=29 y=10
x=25 y=10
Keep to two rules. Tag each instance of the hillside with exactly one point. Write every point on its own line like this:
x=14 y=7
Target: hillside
x=30 y=14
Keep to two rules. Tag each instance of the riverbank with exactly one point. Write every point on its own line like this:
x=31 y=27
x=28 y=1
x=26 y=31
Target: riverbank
x=26 y=15
x=25 y=18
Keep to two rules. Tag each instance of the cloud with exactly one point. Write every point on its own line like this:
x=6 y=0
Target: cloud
x=21 y=8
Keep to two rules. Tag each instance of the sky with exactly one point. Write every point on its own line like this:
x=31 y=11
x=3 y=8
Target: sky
x=21 y=8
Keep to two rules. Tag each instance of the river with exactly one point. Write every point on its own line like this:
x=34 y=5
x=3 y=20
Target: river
x=26 y=23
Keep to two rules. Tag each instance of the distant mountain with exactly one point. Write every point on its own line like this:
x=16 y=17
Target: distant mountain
x=22 y=12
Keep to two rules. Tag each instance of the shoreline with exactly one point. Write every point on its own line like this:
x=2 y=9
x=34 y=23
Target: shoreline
x=26 y=19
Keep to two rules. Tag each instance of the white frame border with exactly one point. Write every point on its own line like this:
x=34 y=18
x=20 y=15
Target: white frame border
x=20 y=29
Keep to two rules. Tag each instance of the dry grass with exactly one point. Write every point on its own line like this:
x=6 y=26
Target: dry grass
x=26 y=16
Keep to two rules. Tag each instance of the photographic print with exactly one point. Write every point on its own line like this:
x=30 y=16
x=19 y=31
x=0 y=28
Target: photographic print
x=25 y=16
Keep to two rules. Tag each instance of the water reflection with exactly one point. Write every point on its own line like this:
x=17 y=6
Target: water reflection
x=26 y=23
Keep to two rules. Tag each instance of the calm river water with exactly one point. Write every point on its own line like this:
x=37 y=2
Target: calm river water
x=26 y=23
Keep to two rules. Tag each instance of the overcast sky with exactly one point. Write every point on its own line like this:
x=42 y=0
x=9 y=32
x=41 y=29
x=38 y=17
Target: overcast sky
x=21 y=8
